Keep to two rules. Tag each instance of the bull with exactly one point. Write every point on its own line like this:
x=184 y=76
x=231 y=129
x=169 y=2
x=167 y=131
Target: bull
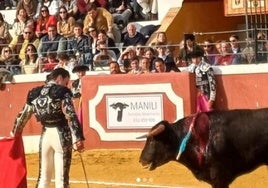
x=217 y=146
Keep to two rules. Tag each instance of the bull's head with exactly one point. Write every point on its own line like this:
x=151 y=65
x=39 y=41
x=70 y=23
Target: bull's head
x=164 y=142
x=160 y=147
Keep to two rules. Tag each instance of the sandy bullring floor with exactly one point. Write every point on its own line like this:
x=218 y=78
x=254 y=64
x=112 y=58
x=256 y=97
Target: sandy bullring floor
x=120 y=168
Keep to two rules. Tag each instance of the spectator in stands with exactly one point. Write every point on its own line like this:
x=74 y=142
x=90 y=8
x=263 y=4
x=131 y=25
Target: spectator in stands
x=125 y=58
x=20 y=22
x=121 y=11
x=205 y=81
x=210 y=52
x=83 y=6
x=145 y=65
x=79 y=45
x=261 y=49
x=31 y=23
x=103 y=37
x=133 y=37
x=10 y=4
x=70 y=6
x=159 y=66
x=101 y=3
x=261 y=38
x=30 y=64
x=51 y=42
x=65 y=24
x=226 y=57
x=248 y=53
x=139 y=50
x=49 y=63
x=160 y=37
x=134 y=66
x=52 y=5
x=151 y=55
x=169 y=60
x=136 y=9
x=9 y=62
x=19 y=43
x=235 y=48
x=218 y=46
x=93 y=38
x=104 y=56
x=5 y=35
x=149 y=9
x=43 y=21
x=63 y=62
x=101 y=19
x=189 y=46
x=114 y=68
x=29 y=5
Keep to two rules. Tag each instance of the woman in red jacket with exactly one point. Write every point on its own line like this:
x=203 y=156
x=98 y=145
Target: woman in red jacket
x=43 y=21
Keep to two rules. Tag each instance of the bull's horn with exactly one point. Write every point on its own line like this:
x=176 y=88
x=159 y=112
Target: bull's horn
x=143 y=136
x=156 y=131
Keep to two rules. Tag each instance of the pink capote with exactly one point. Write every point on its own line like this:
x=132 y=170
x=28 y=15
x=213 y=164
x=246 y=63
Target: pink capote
x=80 y=112
x=202 y=103
x=12 y=163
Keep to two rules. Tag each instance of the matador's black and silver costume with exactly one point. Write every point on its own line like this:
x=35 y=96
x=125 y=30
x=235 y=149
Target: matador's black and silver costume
x=52 y=105
x=205 y=83
x=204 y=79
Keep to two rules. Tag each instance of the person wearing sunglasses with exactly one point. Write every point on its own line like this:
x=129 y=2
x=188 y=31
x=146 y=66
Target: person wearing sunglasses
x=65 y=23
x=52 y=5
x=19 y=43
x=9 y=62
x=43 y=21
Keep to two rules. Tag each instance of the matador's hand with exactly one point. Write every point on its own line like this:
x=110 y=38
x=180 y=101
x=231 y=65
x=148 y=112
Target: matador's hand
x=79 y=146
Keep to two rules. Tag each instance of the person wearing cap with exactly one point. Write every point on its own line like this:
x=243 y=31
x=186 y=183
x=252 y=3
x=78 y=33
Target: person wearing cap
x=80 y=70
x=204 y=79
x=189 y=46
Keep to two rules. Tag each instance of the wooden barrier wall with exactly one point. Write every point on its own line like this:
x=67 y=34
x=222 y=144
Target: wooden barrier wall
x=171 y=96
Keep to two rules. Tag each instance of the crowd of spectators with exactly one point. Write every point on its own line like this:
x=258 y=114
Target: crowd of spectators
x=48 y=34
x=87 y=31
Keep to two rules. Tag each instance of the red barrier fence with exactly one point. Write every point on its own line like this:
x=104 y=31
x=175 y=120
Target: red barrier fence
x=118 y=108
